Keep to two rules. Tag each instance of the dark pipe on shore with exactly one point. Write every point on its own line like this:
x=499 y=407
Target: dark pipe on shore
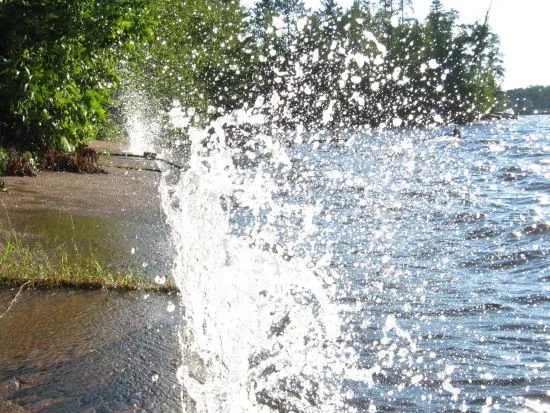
x=150 y=156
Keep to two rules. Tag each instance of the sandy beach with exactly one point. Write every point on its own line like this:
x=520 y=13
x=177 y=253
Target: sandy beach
x=81 y=349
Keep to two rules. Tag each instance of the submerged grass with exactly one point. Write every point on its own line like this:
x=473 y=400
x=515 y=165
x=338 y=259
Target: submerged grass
x=39 y=268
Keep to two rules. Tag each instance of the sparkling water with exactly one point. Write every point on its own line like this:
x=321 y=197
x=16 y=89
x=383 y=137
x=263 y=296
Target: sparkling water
x=366 y=270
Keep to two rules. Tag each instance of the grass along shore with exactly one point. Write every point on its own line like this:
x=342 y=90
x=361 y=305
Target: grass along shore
x=76 y=230
x=39 y=268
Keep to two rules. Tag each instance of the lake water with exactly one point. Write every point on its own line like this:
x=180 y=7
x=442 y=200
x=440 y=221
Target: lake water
x=389 y=271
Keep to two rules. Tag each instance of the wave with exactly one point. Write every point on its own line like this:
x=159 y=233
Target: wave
x=258 y=328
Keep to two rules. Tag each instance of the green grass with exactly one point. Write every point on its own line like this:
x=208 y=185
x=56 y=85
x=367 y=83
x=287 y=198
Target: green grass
x=53 y=269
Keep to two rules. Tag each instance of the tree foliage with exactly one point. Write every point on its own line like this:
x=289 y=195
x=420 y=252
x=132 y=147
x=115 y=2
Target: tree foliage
x=58 y=66
x=533 y=99
x=199 y=56
x=371 y=64
x=366 y=65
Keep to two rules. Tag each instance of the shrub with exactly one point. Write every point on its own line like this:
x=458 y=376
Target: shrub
x=19 y=164
x=59 y=66
x=84 y=161
x=3 y=161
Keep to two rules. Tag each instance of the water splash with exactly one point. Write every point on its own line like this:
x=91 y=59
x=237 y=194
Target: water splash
x=282 y=312
x=263 y=325
x=259 y=327
x=141 y=125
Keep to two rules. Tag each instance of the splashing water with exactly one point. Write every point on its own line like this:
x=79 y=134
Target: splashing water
x=382 y=272
x=141 y=125
x=349 y=270
x=259 y=327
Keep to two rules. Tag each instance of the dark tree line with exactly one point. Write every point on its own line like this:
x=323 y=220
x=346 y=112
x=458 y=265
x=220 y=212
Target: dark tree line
x=530 y=100
x=371 y=64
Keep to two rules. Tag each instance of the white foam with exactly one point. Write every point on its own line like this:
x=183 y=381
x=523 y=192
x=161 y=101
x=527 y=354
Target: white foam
x=257 y=329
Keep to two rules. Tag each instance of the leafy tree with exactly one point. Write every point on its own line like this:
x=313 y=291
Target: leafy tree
x=58 y=66
x=467 y=69
x=331 y=9
x=62 y=60
x=484 y=70
x=274 y=29
x=440 y=59
x=369 y=65
x=200 y=55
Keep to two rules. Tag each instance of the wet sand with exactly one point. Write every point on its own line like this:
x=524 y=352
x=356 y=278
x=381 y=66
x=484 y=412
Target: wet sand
x=115 y=215
x=89 y=351
x=121 y=193
x=70 y=350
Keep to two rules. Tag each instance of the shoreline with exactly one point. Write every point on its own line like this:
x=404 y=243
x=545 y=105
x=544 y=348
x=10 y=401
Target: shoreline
x=70 y=230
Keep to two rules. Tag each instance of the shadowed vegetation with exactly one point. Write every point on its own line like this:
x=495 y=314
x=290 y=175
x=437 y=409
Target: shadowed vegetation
x=85 y=160
x=371 y=64
x=530 y=100
x=61 y=63
x=17 y=164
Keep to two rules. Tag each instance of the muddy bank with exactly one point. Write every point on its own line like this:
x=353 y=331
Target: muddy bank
x=115 y=216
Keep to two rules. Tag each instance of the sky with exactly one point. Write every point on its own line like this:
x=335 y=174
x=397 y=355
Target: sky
x=524 y=31
x=523 y=27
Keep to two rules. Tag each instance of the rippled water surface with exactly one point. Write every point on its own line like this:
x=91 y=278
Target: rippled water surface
x=411 y=272
x=443 y=250
x=400 y=271
x=88 y=351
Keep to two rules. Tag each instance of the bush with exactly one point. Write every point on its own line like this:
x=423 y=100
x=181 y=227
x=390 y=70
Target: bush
x=3 y=161
x=59 y=66
x=16 y=163
x=84 y=161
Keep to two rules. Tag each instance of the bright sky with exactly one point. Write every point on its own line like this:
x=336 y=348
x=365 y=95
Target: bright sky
x=524 y=33
x=523 y=28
